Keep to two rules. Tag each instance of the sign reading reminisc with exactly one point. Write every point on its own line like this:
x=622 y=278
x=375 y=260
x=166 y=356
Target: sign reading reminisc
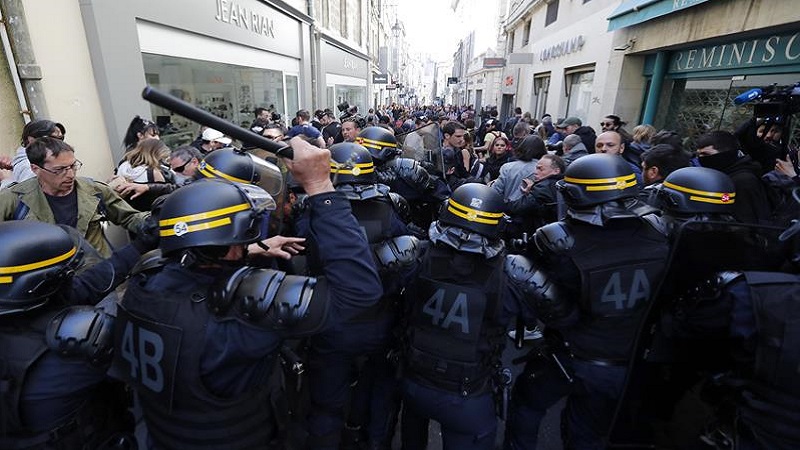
x=771 y=50
x=562 y=48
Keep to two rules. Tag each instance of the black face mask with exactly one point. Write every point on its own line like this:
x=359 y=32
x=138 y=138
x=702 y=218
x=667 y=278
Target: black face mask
x=720 y=161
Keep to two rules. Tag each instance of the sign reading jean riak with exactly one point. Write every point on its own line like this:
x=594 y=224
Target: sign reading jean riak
x=772 y=50
x=233 y=13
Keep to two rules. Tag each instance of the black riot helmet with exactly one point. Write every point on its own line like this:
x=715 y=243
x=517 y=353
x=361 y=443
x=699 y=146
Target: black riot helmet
x=380 y=142
x=240 y=167
x=213 y=212
x=474 y=207
x=351 y=164
x=37 y=260
x=697 y=190
x=596 y=179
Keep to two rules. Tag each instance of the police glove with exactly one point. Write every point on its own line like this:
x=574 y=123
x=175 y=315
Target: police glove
x=147 y=235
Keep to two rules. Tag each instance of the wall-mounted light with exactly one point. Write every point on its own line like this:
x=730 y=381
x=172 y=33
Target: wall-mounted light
x=622 y=48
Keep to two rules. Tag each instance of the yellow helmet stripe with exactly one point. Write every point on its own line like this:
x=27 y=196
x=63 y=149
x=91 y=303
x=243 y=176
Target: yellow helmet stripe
x=6 y=280
x=472 y=214
x=697 y=192
x=624 y=178
x=204 y=215
x=199 y=227
x=358 y=169
x=365 y=141
x=712 y=200
x=612 y=187
x=38 y=265
x=211 y=172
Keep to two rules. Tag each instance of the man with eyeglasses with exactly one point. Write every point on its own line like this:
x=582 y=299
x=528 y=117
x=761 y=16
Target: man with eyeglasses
x=57 y=195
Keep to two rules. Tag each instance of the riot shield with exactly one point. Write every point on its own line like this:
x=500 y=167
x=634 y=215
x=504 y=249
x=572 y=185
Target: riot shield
x=669 y=357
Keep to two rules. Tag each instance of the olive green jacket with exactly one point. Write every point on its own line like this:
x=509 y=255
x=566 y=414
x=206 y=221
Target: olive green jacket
x=90 y=212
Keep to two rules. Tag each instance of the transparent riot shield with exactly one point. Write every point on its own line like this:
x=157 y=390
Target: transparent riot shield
x=684 y=336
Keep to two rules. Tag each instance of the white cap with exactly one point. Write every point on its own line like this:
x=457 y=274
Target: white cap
x=210 y=134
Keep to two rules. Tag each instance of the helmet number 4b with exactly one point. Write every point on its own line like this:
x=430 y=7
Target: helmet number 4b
x=613 y=293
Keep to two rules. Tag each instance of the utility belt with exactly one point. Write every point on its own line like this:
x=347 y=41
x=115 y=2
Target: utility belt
x=466 y=379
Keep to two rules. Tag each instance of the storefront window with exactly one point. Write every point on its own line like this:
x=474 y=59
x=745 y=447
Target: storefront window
x=354 y=95
x=697 y=106
x=579 y=94
x=229 y=91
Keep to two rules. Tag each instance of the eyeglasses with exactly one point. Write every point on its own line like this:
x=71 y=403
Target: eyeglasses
x=60 y=171
x=180 y=168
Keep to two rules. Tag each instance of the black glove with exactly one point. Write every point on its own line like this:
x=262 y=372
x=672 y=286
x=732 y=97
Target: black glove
x=147 y=235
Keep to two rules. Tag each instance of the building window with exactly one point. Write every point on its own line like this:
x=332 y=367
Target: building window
x=541 y=84
x=527 y=36
x=229 y=91
x=579 y=92
x=511 y=41
x=552 y=12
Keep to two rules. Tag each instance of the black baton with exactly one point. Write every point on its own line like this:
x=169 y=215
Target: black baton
x=202 y=117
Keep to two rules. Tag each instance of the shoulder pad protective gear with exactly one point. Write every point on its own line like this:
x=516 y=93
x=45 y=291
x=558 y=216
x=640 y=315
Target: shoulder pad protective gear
x=540 y=293
x=401 y=206
x=399 y=251
x=554 y=237
x=82 y=331
x=272 y=299
x=358 y=192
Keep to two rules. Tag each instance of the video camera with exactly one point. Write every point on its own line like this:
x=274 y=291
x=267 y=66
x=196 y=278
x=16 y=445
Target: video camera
x=774 y=106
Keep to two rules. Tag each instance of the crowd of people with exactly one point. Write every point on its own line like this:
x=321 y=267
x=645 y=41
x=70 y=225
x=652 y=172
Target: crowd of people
x=371 y=284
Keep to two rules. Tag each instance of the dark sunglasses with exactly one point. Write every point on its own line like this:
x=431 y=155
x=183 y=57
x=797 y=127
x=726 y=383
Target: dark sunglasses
x=180 y=168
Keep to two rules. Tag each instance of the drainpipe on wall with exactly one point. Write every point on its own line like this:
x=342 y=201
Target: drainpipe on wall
x=654 y=93
x=27 y=75
x=314 y=54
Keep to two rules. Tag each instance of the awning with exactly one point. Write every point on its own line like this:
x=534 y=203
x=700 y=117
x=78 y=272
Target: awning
x=632 y=12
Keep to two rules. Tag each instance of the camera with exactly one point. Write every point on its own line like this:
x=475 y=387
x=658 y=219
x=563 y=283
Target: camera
x=342 y=107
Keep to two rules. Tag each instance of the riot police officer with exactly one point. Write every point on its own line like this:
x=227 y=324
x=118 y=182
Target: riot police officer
x=597 y=269
x=365 y=340
x=724 y=282
x=404 y=176
x=198 y=330
x=54 y=353
x=696 y=194
x=457 y=311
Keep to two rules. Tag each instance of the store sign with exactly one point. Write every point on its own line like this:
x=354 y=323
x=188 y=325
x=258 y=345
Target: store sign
x=233 y=13
x=452 y=80
x=380 y=78
x=390 y=87
x=774 y=50
x=563 y=48
x=493 y=63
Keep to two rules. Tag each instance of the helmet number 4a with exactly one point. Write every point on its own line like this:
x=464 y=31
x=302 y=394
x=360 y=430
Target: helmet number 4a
x=639 y=290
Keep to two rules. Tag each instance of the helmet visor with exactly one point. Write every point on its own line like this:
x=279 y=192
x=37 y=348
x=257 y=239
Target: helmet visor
x=266 y=175
x=260 y=199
